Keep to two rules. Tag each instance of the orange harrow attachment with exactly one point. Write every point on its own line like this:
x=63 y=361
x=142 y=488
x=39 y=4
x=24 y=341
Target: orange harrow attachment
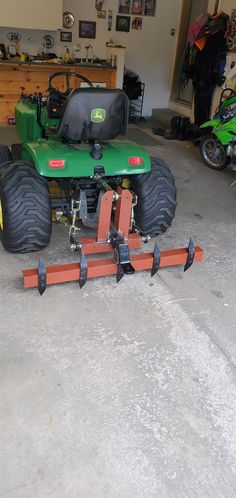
x=112 y=237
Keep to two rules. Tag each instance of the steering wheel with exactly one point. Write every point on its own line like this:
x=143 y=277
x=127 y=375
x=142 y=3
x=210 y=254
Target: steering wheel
x=67 y=75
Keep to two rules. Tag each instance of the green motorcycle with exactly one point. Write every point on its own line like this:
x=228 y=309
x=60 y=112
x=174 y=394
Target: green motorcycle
x=218 y=147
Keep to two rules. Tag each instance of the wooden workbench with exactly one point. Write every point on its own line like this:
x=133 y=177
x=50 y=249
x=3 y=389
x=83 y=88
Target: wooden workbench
x=31 y=78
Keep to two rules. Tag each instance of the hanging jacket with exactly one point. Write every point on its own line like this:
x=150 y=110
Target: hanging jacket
x=195 y=29
x=204 y=59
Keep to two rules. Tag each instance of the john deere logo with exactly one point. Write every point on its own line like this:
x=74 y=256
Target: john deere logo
x=98 y=115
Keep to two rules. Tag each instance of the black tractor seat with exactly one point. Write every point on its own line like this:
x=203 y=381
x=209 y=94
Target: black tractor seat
x=92 y=114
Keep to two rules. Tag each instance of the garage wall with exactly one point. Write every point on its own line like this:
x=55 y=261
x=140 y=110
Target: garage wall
x=226 y=6
x=150 y=52
x=41 y=14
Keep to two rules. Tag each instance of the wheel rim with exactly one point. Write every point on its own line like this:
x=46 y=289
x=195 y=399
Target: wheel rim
x=213 y=153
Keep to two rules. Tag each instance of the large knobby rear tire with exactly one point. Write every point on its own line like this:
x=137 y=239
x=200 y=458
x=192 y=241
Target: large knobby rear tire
x=26 y=208
x=16 y=152
x=5 y=155
x=156 y=194
x=213 y=153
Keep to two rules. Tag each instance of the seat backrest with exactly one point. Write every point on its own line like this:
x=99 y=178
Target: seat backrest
x=92 y=114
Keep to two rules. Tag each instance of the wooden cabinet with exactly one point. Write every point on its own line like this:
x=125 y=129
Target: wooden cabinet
x=34 y=14
x=31 y=78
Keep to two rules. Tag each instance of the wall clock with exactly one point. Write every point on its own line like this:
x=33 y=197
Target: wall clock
x=68 y=20
x=48 y=41
x=14 y=36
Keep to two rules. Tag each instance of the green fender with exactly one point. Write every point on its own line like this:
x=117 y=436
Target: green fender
x=79 y=163
x=224 y=131
x=212 y=123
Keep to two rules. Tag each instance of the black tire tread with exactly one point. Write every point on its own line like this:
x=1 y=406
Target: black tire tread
x=156 y=193
x=16 y=151
x=26 y=208
x=5 y=154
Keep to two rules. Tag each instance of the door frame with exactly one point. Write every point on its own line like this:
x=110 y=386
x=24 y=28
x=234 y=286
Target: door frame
x=181 y=45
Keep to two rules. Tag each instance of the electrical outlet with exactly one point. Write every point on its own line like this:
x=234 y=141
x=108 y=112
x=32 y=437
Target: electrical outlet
x=172 y=32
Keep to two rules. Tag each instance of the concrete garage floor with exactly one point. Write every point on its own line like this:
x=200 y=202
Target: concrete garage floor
x=126 y=391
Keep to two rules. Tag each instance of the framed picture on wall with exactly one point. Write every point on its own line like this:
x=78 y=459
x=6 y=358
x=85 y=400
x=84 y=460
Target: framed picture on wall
x=137 y=7
x=124 y=6
x=87 y=29
x=137 y=23
x=149 y=7
x=122 y=23
x=66 y=36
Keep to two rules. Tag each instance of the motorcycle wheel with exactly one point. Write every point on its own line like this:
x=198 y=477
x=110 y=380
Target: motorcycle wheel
x=213 y=153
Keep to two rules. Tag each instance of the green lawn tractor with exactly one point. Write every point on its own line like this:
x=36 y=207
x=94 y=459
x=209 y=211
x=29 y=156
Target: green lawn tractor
x=71 y=165
x=218 y=146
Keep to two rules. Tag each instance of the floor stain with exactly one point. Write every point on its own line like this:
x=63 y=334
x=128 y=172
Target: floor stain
x=217 y=293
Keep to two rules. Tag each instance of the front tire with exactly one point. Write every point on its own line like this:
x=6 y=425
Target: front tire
x=213 y=153
x=156 y=194
x=26 y=208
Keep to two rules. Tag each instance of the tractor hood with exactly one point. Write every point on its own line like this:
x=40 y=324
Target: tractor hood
x=57 y=160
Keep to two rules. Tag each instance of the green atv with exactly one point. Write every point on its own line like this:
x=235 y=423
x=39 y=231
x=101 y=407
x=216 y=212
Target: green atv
x=68 y=141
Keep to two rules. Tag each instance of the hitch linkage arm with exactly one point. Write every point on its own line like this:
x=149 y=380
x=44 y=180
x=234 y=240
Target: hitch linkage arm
x=121 y=255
